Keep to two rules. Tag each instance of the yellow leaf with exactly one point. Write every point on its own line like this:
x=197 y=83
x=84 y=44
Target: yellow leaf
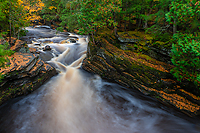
x=51 y=7
x=20 y=2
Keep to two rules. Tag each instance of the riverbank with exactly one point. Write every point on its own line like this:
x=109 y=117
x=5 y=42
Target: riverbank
x=134 y=63
x=24 y=73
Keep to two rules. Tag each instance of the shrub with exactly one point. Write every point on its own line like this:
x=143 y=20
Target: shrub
x=186 y=58
x=3 y=56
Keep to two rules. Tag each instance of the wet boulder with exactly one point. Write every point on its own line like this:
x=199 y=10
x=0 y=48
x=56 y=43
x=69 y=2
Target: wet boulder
x=127 y=40
x=42 y=26
x=46 y=56
x=72 y=40
x=18 y=45
x=37 y=43
x=33 y=50
x=47 y=48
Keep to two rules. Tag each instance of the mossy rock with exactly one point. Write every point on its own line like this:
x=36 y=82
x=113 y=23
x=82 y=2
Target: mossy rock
x=138 y=71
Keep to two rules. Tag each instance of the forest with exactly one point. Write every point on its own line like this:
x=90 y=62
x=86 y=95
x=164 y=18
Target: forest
x=175 y=22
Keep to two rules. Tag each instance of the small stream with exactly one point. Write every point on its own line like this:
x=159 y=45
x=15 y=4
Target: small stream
x=76 y=101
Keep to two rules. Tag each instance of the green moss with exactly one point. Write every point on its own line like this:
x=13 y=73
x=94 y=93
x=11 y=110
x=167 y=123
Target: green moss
x=133 y=34
x=140 y=55
x=143 y=43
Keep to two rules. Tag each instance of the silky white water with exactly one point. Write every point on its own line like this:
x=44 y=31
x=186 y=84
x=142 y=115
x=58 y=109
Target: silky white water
x=75 y=101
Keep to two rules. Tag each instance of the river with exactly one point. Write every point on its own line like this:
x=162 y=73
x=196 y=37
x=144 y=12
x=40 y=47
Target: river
x=76 y=101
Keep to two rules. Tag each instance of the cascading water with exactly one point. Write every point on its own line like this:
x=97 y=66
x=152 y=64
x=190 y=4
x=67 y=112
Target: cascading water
x=75 y=101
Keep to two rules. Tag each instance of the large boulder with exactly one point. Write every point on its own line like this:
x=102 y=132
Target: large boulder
x=139 y=71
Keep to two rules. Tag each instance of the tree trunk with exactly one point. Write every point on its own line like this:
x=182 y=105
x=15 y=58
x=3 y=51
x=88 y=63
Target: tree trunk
x=18 y=33
x=10 y=24
x=14 y=30
x=174 y=27
x=140 y=21
x=93 y=38
x=115 y=27
x=125 y=26
x=146 y=22
x=125 y=29
x=115 y=32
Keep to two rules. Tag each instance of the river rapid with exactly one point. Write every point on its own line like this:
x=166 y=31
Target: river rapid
x=76 y=101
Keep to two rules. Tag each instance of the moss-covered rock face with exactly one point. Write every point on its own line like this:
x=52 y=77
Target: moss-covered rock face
x=138 y=71
x=24 y=73
x=139 y=41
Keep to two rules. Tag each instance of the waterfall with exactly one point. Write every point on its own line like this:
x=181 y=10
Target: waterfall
x=75 y=101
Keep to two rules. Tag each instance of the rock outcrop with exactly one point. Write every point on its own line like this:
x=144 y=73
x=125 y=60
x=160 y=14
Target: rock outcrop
x=139 y=71
x=24 y=73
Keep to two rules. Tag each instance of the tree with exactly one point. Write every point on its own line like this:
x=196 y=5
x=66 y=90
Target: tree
x=186 y=51
x=4 y=52
x=186 y=58
x=32 y=9
x=50 y=10
x=159 y=9
x=12 y=17
x=184 y=13
x=138 y=10
x=68 y=15
x=92 y=15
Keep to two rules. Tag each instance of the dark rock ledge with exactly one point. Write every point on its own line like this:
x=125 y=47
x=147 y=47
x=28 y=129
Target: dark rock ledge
x=139 y=71
x=25 y=72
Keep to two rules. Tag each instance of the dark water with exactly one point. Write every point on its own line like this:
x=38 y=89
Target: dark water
x=75 y=101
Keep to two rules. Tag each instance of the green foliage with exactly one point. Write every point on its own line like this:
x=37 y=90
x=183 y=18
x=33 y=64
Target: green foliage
x=86 y=15
x=60 y=29
x=4 y=52
x=159 y=27
x=185 y=14
x=12 y=17
x=50 y=12
x=186 y=58
x=136 y=12
x=94 y=15
x=68 y=15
